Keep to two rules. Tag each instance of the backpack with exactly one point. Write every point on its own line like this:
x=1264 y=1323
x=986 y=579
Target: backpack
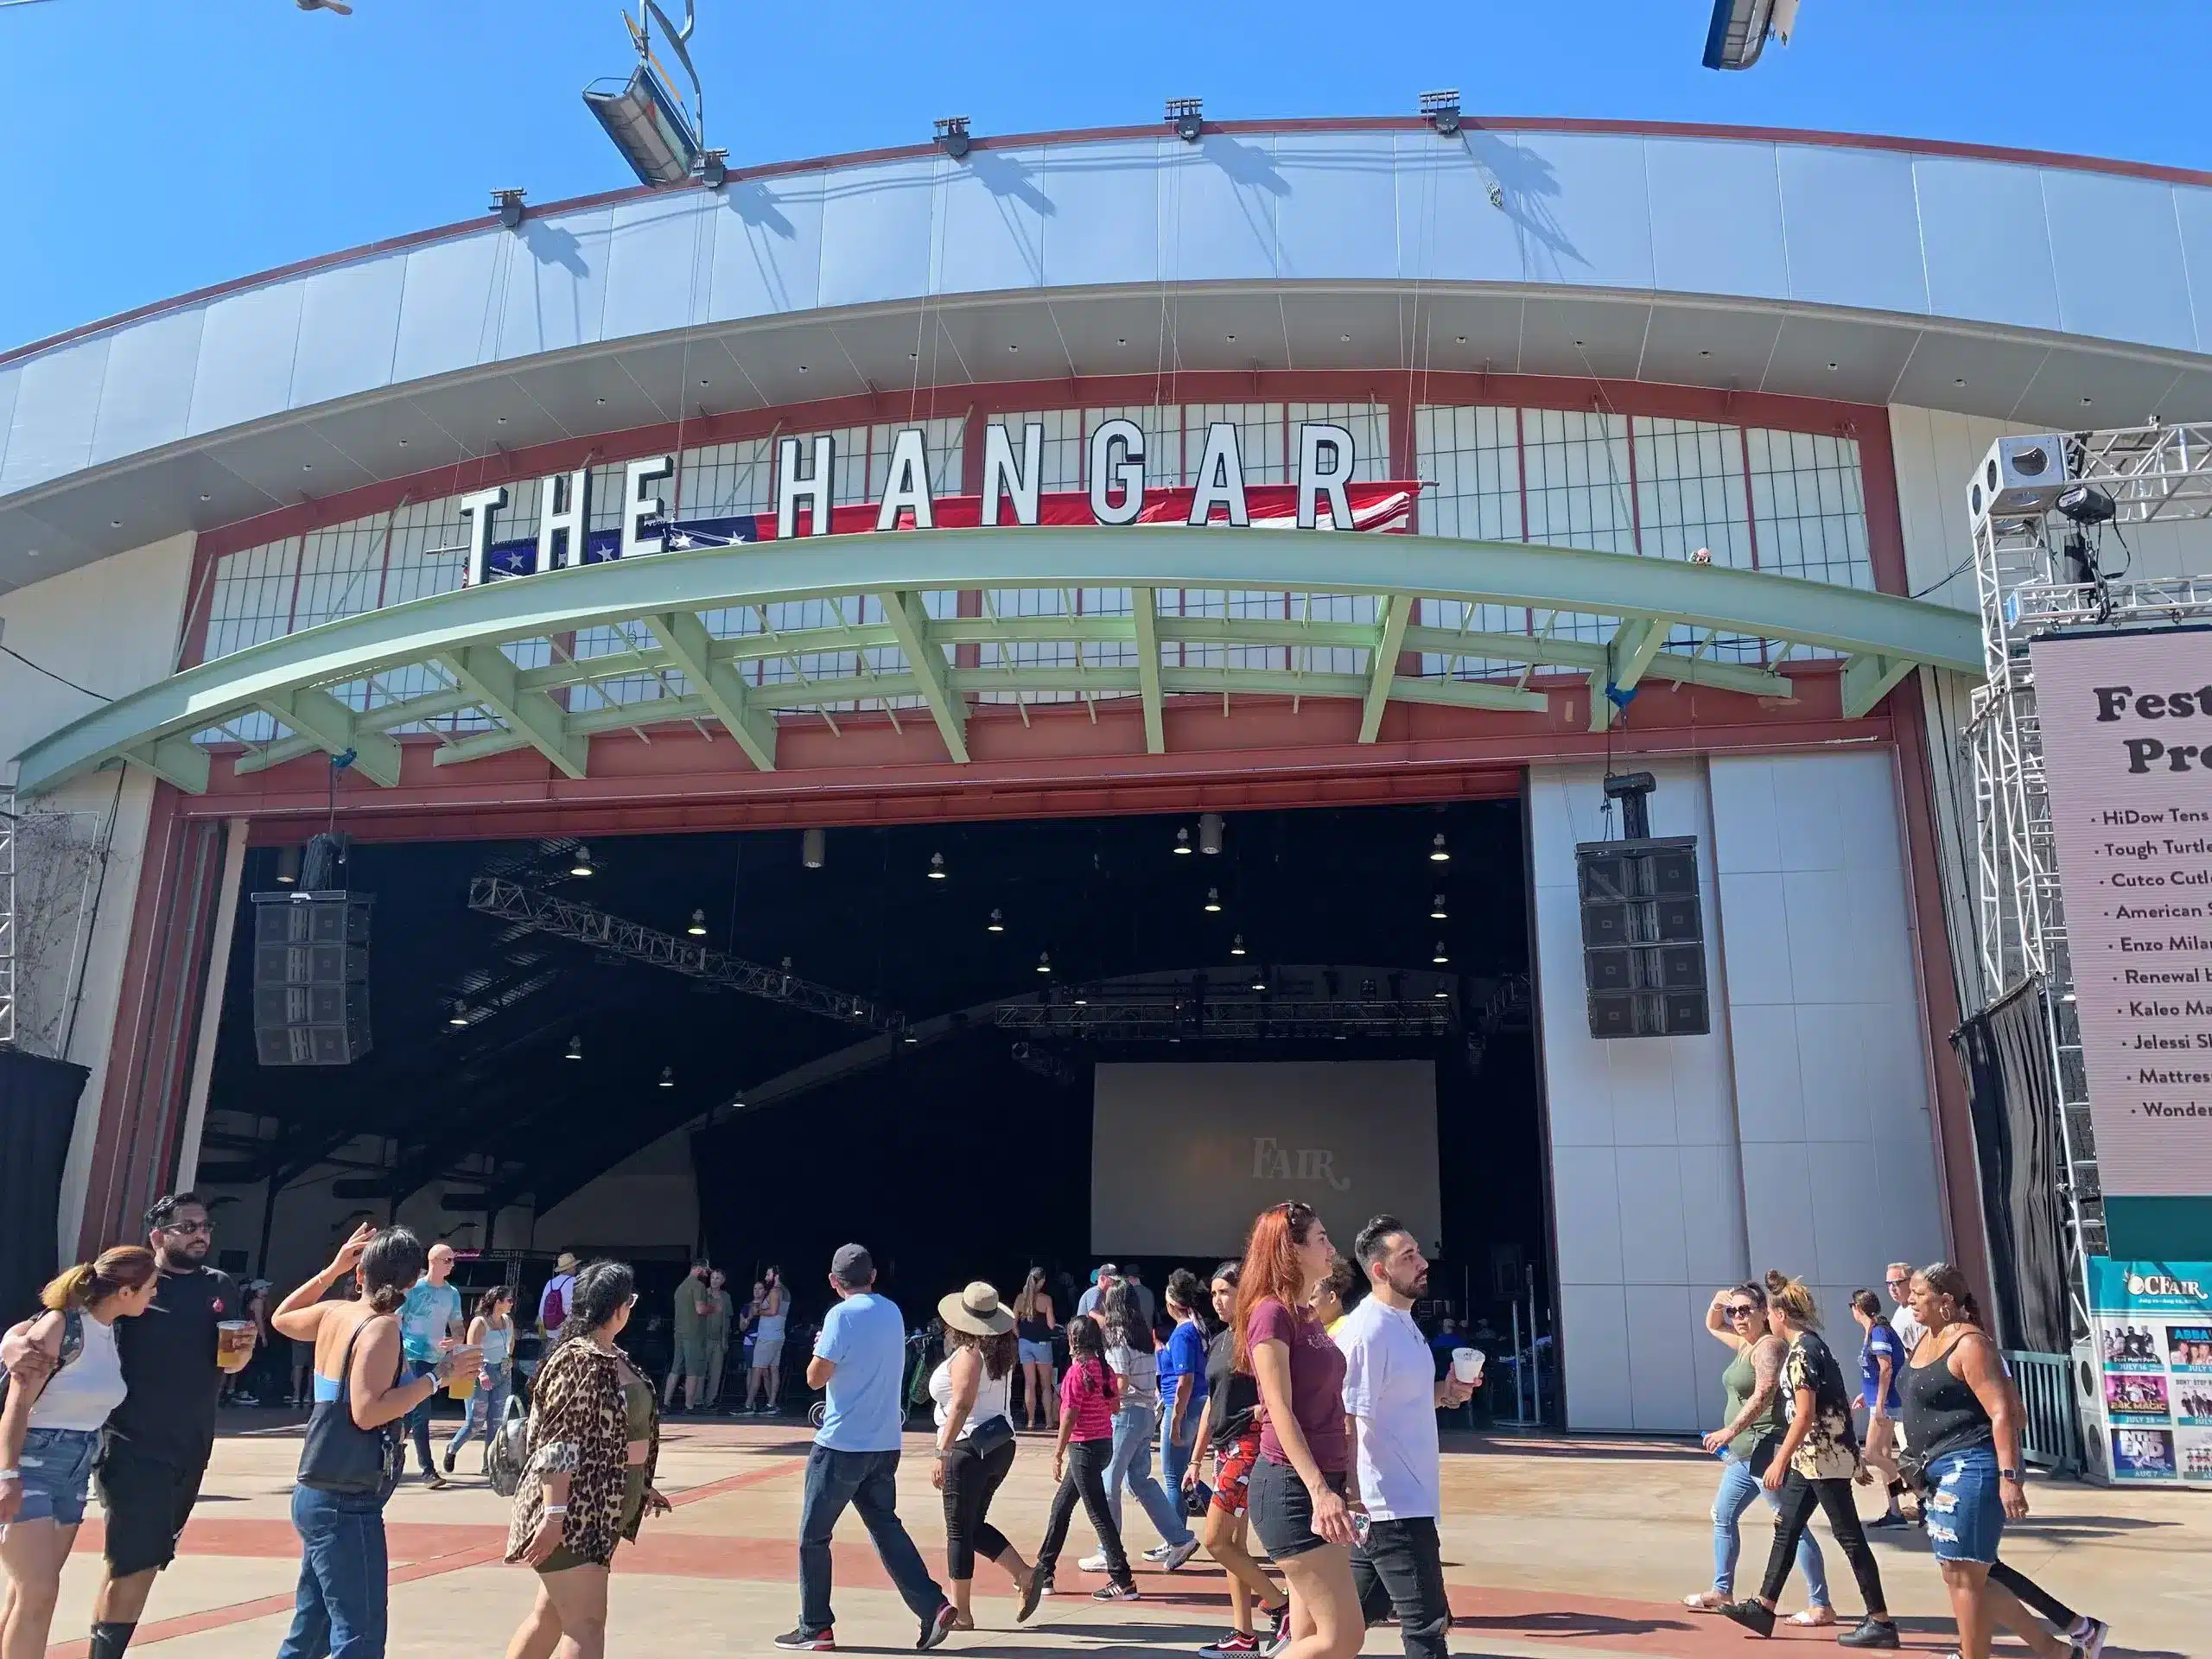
x=555 y=1310
x=503 y=1464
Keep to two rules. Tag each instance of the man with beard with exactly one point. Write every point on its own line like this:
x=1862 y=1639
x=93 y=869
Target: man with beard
x=1391 y=1398
x=154 y=1449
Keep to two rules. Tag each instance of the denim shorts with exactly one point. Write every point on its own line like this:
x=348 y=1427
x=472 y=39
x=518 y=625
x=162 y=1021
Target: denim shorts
x=57 y=1467
x=1965 y=1516
x=1034 y=1353
x=1282 y=1509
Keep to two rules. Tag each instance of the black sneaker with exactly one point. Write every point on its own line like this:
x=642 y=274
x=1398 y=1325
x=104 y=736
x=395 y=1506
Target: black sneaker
x=448 y=1460
x=1870 y=1633
x=1888 y=1523
x=1114 y=1593
x=937 y=1627
x=800 y=1641
x=1754 y=1616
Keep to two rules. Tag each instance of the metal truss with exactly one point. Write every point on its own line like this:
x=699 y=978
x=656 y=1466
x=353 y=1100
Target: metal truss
x=7 y=914
x=2152 y=473
x=1229 y=1017
x=564 y=919
x=698 y=647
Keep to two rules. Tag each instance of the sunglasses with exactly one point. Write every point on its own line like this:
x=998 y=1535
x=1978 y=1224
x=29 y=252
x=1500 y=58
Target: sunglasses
x=187 y=1227
x=1740 y=1311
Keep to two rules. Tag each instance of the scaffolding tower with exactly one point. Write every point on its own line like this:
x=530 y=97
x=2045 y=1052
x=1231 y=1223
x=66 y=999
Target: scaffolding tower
x=7 y=914
x=2039 y=572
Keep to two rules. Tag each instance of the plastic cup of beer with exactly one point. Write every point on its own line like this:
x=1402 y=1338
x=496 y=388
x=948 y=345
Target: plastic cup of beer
x=462 y=1384
x=1466 y=1364
x=234 y=1344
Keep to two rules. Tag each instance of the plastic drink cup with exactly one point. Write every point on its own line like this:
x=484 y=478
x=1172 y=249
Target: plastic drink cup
x=1466 y=1364
x=233 y=1343
x=462 y=1384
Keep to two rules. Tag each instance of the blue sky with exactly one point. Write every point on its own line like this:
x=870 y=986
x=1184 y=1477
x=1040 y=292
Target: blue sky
x=148 y=147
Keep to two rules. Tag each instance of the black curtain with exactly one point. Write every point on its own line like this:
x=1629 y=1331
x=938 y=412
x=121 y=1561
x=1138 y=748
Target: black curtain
x=2014 y=1100
x=38 y=1109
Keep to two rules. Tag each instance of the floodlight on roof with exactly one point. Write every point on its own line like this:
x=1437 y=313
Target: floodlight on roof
x=952 y=136
x=1187 y=116
x=664 y=141
x=1740 y=30
x=507 y=204
x=1441 y=110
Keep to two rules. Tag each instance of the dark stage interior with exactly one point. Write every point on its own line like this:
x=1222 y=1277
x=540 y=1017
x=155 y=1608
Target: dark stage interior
x=952 y=1157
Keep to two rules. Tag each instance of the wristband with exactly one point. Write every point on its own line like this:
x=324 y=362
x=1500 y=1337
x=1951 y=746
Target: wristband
x=556 y=1509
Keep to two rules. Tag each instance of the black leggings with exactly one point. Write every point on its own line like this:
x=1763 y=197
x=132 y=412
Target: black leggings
x=2033 y=1595
x=1085 y=1479
x=971 y=1481
x=1798 y=1497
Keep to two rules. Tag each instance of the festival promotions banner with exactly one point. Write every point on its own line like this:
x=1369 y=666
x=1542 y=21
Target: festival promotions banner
x=2151 y=1329
x=2127 y=725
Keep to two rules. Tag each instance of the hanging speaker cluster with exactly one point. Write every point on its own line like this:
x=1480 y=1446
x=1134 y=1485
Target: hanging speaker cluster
x=311 y=976
x=1643 y=937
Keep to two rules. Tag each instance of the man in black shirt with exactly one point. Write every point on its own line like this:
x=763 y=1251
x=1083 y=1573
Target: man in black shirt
x=156 y=1445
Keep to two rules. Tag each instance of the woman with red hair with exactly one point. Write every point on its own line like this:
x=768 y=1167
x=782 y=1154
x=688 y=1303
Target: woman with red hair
x=1296 y=1494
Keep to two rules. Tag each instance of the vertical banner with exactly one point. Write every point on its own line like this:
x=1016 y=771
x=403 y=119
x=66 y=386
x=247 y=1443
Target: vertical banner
x=2152 y=1333
x=2126 y=723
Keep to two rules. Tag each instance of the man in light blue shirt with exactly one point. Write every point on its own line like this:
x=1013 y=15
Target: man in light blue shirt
x=859 y=1359
x=429 y=1324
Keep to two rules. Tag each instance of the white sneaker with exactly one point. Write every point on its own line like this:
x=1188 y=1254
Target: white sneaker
x=1093 y=1563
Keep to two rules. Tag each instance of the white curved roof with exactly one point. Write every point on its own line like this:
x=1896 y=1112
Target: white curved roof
x=1866 y=270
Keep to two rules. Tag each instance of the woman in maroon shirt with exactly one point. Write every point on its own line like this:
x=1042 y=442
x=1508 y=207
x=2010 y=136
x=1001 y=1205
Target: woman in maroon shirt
x=1297 y=1491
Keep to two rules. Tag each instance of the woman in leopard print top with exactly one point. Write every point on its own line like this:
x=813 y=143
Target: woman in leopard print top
x=594 y=1442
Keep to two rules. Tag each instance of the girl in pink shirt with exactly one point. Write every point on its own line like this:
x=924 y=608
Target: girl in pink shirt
x=1088 y=1395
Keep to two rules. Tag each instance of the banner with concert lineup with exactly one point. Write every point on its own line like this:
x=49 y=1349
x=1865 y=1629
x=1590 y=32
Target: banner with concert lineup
x=2151 y=1323
x=1383 y=506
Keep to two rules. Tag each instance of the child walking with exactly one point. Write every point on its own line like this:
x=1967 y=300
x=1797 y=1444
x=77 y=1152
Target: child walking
x=1088 y=1396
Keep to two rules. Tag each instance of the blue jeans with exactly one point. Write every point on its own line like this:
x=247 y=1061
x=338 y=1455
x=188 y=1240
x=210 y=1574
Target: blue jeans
x=341 y=1609
x=1738 y=1486
x=1132 y=1466
x=1174 y=1458
x=418 y=1420
x=488 y=1405
x=868 y=1481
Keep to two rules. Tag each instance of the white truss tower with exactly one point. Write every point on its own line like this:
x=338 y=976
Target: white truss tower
x=7 y=913
x=2026 y=590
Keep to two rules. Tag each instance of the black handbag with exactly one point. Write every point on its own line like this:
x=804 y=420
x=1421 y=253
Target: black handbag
x=1763 y=1451
x=339 y=1455
x=986 y=1437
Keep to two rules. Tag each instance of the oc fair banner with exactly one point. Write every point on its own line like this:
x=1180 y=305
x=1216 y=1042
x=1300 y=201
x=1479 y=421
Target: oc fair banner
x=2127 y=725
x=2151 y=1329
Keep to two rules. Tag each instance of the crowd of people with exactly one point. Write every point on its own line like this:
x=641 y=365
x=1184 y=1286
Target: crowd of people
x=1292 y=1404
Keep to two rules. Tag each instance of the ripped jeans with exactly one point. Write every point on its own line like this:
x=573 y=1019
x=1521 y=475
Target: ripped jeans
x=1738 y=1486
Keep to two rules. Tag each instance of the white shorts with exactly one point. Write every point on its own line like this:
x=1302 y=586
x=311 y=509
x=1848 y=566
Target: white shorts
x=767 y=1352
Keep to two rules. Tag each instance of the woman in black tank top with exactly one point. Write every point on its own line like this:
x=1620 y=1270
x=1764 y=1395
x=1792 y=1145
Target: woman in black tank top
x=1033 y=1325
x=1961 y=1420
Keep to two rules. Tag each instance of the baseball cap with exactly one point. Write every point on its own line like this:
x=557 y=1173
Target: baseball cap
x=852 y=1265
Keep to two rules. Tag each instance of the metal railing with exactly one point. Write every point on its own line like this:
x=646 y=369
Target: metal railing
x=2051 y=1425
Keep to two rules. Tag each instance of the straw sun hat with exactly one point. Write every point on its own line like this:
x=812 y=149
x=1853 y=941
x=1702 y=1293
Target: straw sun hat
x=976 y=1311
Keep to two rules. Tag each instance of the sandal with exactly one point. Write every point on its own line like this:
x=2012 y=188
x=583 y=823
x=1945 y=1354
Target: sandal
x=1813 y=1617
x=1706 y=1601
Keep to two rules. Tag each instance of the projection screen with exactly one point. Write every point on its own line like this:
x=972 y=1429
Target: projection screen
x=1184 y=1156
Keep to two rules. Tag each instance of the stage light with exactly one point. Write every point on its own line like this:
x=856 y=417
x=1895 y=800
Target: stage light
x=668 y=1077
x=1044 y=962
x=813 y=847
x=507 y=204
x=952 y=136
x=1436 y=909
x=1209 y=833
x=936 y=867
x=576 y=1049
x=1186 y=116
x=288 y=867
x=2085 y=504
x=648 y=125
x=1183 y=840
x=1213 y=900
x=698 y=928
x=910 y=1038
x=1441 y=110
x=1081 y=1000
x=1442 y=994
x=1440 y=957
x=1740 y=30
x=997 y=923
x=459 y=1015
x=1437 y=855
x=582 y=864
x=1236 y=945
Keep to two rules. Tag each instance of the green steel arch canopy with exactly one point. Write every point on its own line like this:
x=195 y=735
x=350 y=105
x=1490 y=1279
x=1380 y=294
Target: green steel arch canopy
x=461 y=645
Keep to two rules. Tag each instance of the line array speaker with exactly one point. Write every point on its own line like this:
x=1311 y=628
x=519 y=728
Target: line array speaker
x=1643 y=937
x=311 y=977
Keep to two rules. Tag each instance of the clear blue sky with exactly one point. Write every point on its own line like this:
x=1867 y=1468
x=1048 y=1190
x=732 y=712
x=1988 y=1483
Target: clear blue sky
x=148 y=147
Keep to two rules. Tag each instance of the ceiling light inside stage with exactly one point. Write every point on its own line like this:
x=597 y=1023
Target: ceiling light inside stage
x=698 y=928
x=1260 y=981
x=1442 y=994
x=668 y=1077
x=1436 y=909
x=1440 y=957
x=662 y=140
x=1044 y=962
x=814 y=849
x=936 y=867
x=996 y=924
x=288 y=867
x=1437 y=855
x=582 y=866
x=1236 y=945
x=576 y=1049
x=1209 y=833
x=1183 y=839
x=1213 y=900
x=459 y=1015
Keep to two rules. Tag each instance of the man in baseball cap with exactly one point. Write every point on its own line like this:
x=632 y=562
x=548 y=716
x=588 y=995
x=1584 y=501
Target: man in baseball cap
x=860 y=1358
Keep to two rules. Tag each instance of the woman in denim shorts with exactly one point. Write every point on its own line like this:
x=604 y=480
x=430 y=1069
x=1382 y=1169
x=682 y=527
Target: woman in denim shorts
x=51 y=1427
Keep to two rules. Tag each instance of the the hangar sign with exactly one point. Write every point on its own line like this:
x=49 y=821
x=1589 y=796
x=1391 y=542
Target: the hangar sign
x=1324 y=495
